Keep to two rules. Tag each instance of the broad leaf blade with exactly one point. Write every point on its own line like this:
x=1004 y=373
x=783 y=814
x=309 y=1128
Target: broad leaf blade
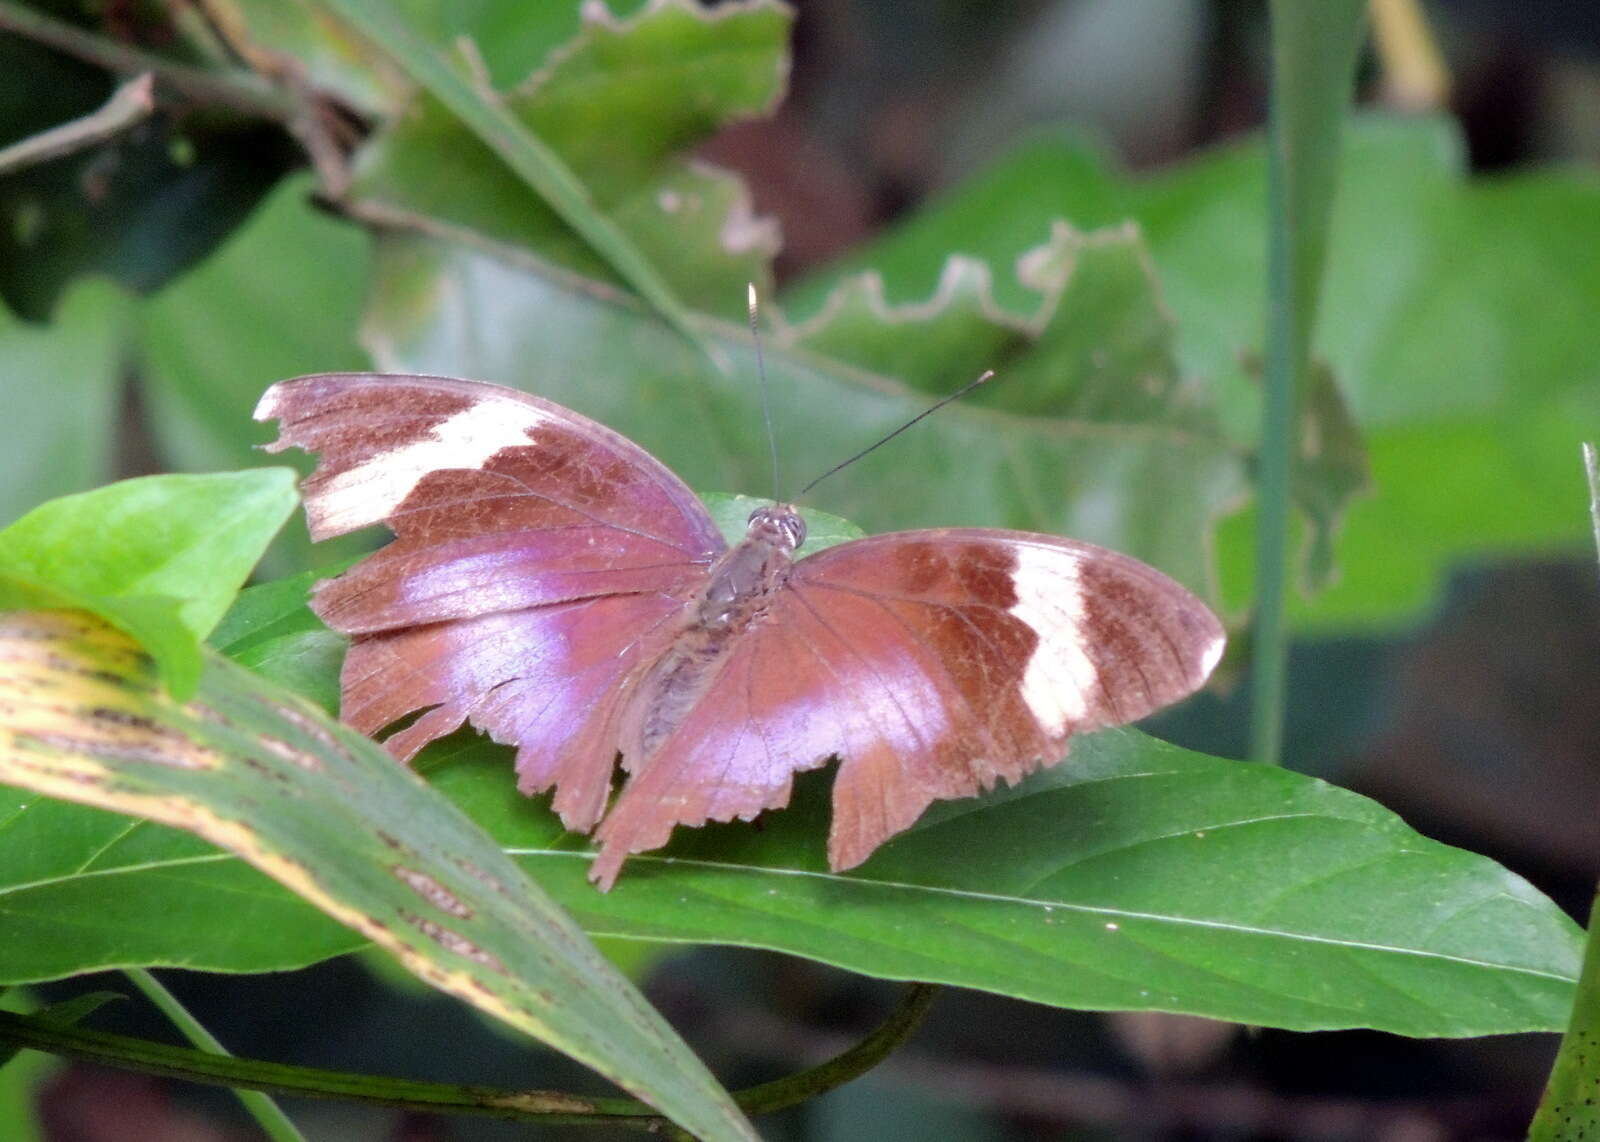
x=1454 y=316
x=533 y=161
x=1134 y=876
x=160 y=557
x=281 y=297
x=1237 y=891
x=620 y=104
x=330 y=815
x=58 y=395
x=85 y=890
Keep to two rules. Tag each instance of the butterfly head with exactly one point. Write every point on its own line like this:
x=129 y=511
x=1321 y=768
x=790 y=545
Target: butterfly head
x=779 y=525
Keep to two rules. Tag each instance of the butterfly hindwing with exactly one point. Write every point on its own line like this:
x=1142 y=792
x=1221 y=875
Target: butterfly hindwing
x=933 y=664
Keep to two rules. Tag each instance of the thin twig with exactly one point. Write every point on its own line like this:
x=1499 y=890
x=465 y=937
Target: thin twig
x=551 y=1108
x=268 y=1114
x=1083 y=1099
x=241 y=90
x=129 y=104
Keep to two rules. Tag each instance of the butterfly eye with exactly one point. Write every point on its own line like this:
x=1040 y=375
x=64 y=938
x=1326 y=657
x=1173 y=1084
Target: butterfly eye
x=795 y=527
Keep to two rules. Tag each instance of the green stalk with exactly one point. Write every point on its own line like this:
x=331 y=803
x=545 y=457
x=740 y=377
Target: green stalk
x=1313 y=62
x=268 y=1114
x=1570 y=1108
x=550 y=1108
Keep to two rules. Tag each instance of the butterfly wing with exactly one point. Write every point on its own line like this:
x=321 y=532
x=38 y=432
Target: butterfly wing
x=933 y=664
x=534 y=550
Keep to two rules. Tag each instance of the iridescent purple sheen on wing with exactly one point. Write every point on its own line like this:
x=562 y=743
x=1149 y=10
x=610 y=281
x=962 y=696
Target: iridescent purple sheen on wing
x=555 y=586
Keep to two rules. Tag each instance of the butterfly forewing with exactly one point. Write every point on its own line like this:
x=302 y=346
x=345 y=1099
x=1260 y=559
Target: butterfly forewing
x=534 y=549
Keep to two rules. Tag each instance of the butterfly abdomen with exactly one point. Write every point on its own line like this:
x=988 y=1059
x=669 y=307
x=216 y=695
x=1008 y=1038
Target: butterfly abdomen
x=737 y=593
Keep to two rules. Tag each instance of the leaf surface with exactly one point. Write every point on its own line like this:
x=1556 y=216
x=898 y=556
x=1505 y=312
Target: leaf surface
x=1145 y=476
x=1452 y=315
x=58 y=396
x=160 y=557
x=618 y=104
x=1231 y=890
x=328 y=814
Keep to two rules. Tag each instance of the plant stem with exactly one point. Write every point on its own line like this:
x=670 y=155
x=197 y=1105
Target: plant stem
x=551 y=1108
x=1414 y=75
x=1313 y=64
x=1570 y=1107
x=129 y=104
x=241 y=90
x=268 y=1114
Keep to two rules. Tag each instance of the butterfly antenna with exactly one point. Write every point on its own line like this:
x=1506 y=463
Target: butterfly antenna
x=927 y=412
x=766 y=389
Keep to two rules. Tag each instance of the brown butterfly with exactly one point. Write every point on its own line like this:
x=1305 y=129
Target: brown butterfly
x=557 y=587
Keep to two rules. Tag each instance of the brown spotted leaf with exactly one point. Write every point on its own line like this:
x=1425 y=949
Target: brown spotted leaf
x=269 y=777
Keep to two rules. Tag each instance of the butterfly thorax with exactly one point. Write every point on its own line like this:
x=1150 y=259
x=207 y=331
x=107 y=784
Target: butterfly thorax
x=736 y=594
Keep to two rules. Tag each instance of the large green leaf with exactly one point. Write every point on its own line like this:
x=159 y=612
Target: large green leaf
x=618 y=105
x=159 y=557
x=281 y=297
x=263 y=773
x=537 y=166
x=1135 y=875
x=1454 y=314
x=512 y=37
x=1148 y=478
x=58 y=396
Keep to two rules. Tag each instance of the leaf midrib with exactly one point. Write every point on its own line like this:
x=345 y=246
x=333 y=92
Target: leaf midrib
x=902 y=886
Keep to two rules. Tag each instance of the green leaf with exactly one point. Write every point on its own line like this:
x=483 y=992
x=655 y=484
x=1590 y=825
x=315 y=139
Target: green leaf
x=1237 y=891
x=1453 y=315
x=330 y=815
x=160 y=557
x=619 y=105
x=84 y=890
x=512 y=36
x=1330 y=470
x=533 y=161
x=58 y=397
x=1134 y=876
x=1132 y=476
x=280 y=298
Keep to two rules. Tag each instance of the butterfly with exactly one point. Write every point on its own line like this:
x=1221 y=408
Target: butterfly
x=555 y=586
